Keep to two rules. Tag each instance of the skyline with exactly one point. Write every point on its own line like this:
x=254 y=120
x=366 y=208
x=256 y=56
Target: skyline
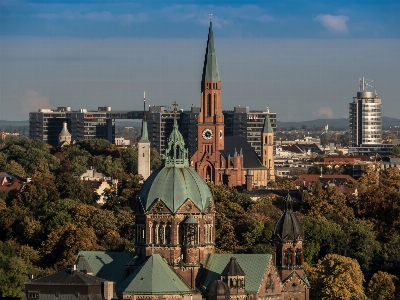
x=301 y=59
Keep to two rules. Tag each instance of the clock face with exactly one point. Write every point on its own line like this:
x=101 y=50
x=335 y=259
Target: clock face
x=220 y=134
x=207 y=134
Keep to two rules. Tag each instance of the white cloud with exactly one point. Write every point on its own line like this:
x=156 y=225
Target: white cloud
x=32 y=101
x=333 y=23
x=95 y=16
x=324 y=111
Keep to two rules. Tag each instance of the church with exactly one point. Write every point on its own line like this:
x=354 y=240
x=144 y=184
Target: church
x=221 y=159
x=175 y=255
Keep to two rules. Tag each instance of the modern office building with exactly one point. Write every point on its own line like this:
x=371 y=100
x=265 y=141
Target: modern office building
x=249 y=124
x=46 y=124
x=365 y=116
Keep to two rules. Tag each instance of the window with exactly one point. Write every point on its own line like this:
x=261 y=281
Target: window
x=33 y=295
x=208 y=105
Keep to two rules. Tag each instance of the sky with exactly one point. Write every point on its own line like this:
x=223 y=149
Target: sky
x=302 y=59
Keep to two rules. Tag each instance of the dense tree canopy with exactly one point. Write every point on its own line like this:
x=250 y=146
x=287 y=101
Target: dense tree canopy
x=348 y=237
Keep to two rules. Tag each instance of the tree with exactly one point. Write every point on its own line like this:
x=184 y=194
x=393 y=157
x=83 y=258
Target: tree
x=155 y=159
x=64 y=243
x=129 y=159
x=382 y=286
x=74 y=188
x=336 y=277
x=395 y=151
x=322 y=236
x=360 y=242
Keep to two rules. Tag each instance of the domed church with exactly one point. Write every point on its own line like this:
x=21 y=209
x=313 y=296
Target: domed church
x=174 y=257
x=174 y=254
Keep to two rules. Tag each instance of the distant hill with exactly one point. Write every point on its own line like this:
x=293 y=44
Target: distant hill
x=4 y=123
x=342 y=123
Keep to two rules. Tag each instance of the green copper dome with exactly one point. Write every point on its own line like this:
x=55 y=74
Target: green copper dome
x=175 y=181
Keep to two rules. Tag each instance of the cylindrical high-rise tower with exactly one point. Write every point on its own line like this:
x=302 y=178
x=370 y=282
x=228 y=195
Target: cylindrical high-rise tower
x=365 y=116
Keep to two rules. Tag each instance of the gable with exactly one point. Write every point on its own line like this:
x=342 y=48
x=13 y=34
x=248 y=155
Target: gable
x=159 y=207
x=294 y=283
x=253 y=265
x=154 y=276
x=188 y=207
x=108 y=265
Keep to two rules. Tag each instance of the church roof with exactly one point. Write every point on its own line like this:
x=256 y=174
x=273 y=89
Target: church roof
x=288 y=227
x=250 y=157
x=267 y=125
x=144 y=137
x=107 y=264
x=175 y=181
x=174 y=186
x=64 y=132
x=154 y=276
x=253 y=265
x=233 y=268
x=210 y=69
x=68 y=276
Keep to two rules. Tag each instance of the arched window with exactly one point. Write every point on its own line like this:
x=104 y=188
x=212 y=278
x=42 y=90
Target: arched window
x=208 y=174
x=208 y=105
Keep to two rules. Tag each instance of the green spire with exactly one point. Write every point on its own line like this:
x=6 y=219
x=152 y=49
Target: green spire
x=267 y=125
x=210 y=69
x=144 y=138
x=176 y=155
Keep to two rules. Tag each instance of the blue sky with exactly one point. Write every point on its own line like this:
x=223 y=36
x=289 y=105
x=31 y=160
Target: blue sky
x=302 y=59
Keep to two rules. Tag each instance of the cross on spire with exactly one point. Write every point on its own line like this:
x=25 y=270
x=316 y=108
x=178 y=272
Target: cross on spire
x=175 y=106
x=210 y=17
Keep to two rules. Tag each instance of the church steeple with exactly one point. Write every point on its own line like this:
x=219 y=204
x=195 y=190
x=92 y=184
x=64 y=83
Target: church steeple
x=176 y=154
x=144 y=138
x=267 y=125
x=144 y=146
x=210 y=68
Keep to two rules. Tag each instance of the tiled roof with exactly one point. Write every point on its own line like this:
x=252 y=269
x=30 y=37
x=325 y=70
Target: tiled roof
x=233 y=268
x=253 y=265
x=250 y=157
x=154 y=276
x=68 y=277
x=108 y=265
x=174 y=185
x=66 y=297
x=10 y=182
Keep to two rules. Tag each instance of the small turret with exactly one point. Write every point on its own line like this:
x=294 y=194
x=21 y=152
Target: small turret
x=64 y=138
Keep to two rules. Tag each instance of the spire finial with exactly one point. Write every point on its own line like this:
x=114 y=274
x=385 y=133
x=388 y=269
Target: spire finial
x=175 y=106
x=210 y=17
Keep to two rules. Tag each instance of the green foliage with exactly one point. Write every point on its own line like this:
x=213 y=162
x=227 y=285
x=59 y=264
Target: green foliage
x=382 y=286
x=336 y=277
x=155 y=159
x=395 y=151
x=95 y=146
x=322 y=237
x=129 y=159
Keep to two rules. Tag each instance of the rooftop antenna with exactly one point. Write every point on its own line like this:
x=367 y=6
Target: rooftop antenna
x=144 y=107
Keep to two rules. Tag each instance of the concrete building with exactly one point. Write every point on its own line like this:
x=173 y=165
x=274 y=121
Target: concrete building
x=46 y=124
x=249 y=124
x=365 y=116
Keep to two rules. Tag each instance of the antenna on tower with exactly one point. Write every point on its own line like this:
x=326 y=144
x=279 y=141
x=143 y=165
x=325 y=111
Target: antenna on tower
x=144 y=106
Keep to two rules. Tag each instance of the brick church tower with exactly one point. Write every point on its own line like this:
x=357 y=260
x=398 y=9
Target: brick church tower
x=210 y=160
